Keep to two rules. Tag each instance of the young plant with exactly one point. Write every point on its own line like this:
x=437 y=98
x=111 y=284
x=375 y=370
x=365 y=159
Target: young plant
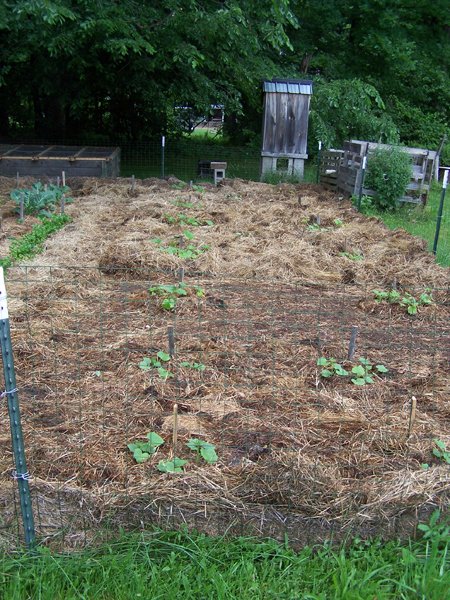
x=441 y=451
x=352 y=256
x=142 y=451
x=174 y=465
x=147 y=364
x=364 y=372
x=331 y=367
x=204 y=449
x=40 y=200
x=168 y=294
x=193 y=365
x=189 y=252
x=182 y=219
x=408 y=301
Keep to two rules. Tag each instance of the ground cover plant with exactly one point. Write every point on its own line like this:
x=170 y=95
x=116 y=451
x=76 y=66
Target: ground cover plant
x=297 y=453
x=169 y=564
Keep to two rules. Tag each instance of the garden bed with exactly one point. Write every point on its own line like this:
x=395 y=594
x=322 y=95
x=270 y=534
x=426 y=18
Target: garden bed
x=279 y=277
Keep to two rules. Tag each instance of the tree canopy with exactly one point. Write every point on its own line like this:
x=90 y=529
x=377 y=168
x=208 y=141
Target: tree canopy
x=118 y=68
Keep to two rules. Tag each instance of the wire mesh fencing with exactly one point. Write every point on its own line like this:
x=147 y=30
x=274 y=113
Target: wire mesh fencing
x=325 y=411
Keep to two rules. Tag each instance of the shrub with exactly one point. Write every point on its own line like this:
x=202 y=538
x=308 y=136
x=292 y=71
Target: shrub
x=388 y=174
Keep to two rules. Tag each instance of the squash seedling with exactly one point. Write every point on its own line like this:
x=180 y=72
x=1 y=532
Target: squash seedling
x=142 y=451
x=147 y=364
x=172 y=465
x=203 y=449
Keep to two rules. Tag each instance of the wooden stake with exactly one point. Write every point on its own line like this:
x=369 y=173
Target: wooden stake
x=17 y=179
x=175 y=429
x=412 y=415
x=352 y=345
x=63 y=204
x=64 y=178
x=58 y=181
x=133 y=183
x=21 y=208
x=181 y=274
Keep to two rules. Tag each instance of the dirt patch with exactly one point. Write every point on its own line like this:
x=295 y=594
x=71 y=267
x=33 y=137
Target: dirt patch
x=278 y=292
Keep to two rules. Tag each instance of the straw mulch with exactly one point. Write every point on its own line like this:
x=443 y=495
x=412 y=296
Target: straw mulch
x=298 y=454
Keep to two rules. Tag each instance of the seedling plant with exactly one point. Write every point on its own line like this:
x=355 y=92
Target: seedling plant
x=183 y=220
x=189 y=252
x=441 y=452
x=406 y=300
x=158 y=362
x=172 y=465
x=203 y=449
x=142 y=451
x=361 y=373
x=193 y=365
x=352 y=255
x=170 y=293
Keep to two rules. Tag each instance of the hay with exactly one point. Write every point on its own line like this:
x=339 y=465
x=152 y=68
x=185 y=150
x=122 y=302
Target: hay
x=278 y=295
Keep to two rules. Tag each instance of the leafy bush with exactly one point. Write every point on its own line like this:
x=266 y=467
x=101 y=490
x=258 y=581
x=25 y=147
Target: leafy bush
x=388 y=174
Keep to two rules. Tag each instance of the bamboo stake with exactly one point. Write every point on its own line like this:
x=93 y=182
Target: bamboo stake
x=412 y=415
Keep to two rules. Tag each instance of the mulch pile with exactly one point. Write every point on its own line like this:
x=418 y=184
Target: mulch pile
x=285 y=272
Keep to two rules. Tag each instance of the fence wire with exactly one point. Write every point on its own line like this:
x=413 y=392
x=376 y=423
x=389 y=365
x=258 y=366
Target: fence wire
x=300 y=452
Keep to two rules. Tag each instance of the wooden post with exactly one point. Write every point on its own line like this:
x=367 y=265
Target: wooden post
x=181 y=275
x=64 y=178
x=17 y=179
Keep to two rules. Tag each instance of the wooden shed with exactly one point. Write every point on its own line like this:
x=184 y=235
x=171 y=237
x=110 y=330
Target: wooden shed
x=285 y=125
x=50 y=161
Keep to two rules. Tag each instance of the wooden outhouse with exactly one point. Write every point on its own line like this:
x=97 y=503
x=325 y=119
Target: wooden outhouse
x=285 y=125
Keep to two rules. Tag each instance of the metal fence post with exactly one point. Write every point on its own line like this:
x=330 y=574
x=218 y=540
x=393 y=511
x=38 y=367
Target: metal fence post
x=361 y=187
x=20 y=474
x=440 y=211
x=318 y=162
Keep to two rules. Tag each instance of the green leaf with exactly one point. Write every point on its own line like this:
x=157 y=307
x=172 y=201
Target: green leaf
x=359 y=370
x=163 y=356
x=322 y=361
x=168 y=303
x=188 y=235
x=326 y=373
x=340 y=371
x=365 y=361
x=145 y=364
x=139 y=456
x=381 y=369
x=155 y=439
x=424 y=466
x=209 y=454
x=439 y=443
x=368 y=379
x=171 y=466
x=164 y=373
x=132 y=447
x=412 y=309
x=359 y=381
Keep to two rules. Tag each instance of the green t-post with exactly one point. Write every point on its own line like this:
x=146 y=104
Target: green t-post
x=440 y=211
x=21 y=473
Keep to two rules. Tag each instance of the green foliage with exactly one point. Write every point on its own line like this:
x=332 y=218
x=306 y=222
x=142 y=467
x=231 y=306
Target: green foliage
x=406 y=300
x=437 y=529
x=40 y=200
x=147 y=364
x=388 y=174
x=182 y=219
x=441 y=452
x=142 y=451
x=204 y=449
x=173 y=465
x=363 y=371
x=193 y=365
x=188 y=252
x=171 y=292
x=32 y=243
x=355 y=256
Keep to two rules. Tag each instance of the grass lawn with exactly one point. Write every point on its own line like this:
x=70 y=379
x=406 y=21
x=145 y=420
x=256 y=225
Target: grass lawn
x=173 y=565
x=421 y=221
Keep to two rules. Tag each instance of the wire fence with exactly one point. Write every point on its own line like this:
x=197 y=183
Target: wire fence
x=313 y=437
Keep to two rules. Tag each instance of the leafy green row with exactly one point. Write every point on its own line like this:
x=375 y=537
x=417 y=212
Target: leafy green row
x=31 y=243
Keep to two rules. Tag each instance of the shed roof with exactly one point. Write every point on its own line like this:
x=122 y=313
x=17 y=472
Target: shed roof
x=288 y=86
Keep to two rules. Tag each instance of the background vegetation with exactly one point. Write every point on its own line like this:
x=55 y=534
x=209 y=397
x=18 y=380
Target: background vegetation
x=102 y=70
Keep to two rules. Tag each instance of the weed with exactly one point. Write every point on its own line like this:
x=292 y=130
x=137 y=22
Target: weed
x=142 y=451
x=204 y=449
x=147 y=364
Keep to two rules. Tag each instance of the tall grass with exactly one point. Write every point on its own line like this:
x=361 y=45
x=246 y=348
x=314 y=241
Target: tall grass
x=173 y=565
